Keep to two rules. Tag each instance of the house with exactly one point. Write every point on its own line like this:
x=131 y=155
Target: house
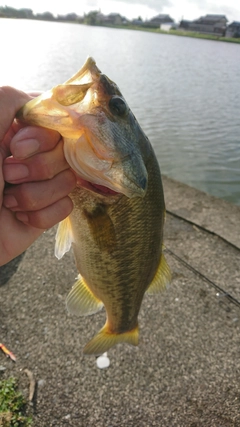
x=233 y=30
x=137 y=22
x=167 y=26
x=25 y=13
x=113 y=19
x=209 y=24
x=159 y=20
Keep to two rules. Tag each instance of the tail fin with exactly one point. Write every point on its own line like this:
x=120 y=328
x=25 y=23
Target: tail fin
x=105 y=340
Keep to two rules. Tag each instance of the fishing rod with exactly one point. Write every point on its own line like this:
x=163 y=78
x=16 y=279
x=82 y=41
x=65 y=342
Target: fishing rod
x=202 y=228
x=203 y=277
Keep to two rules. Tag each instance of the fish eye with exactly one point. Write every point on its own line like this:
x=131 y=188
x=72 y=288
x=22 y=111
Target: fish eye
x=117 y=106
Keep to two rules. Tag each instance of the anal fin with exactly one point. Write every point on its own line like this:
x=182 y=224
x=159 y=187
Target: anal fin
x=162 y=277
x=81 y=301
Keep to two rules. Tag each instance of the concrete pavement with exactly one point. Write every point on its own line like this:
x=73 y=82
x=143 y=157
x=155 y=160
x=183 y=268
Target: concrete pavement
x=186 y=370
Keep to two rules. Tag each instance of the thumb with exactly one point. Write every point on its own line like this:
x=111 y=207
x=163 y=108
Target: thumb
x=11 y=100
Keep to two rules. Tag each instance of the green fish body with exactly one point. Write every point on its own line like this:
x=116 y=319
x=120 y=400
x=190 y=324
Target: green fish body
x=116 y=226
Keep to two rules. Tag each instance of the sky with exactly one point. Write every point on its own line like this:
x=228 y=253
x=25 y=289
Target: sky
x=147 y=9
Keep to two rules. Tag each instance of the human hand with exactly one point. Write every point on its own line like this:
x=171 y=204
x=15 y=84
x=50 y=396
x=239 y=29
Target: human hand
x=32 y=161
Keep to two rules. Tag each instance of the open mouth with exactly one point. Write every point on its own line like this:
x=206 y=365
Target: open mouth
x=96 y=188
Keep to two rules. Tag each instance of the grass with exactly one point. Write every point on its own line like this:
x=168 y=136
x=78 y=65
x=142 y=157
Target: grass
x=180 y=33
x=12 y=405
x=201 y=36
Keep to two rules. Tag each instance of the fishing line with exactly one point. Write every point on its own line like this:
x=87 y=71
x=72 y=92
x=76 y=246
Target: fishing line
x=202 y=228
x=203 y=277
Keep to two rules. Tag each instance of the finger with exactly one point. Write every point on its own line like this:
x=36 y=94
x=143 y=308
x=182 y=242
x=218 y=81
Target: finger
x=31 y=140
x=49 y=216
x=10 y=246
x=2 y=183
x=34 y=196
x=36 y=168
x=35 y=93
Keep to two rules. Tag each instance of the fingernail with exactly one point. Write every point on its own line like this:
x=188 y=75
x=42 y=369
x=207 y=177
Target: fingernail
x=21 y=216
x=15 y=172
x=9 y=201
x=25 y=148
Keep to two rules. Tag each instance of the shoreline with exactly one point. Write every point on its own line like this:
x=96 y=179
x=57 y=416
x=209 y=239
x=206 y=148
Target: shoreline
x=180 y=33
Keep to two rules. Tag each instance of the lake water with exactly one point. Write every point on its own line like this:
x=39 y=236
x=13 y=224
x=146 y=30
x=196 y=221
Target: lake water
x=184 y=92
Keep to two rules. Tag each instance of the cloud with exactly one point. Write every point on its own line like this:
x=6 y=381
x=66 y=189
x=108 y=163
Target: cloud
x=152 y=4
x=92 y=3
x=214 y=7
x=230 y=12
x=202 y=4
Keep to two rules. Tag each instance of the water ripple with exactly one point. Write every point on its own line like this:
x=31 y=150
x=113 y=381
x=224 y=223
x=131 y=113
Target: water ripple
x=183 y=91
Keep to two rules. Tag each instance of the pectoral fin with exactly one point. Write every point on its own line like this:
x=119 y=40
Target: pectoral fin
x=81 y=301
x=64 y=238
x=161 y=278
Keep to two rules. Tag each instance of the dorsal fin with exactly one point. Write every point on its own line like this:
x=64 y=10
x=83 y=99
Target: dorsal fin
x=81 y=301
x=162 y=277
x=64 y=238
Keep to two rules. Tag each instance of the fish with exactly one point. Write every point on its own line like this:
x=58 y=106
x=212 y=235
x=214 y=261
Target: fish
x=116 y=226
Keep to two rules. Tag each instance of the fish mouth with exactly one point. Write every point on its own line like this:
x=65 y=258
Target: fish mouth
x=101 y=190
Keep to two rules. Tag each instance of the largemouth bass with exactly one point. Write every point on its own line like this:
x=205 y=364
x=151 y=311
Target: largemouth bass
x=116 y=226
